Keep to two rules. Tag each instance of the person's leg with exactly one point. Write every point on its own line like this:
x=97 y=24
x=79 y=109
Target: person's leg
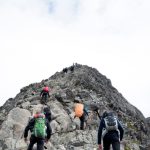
x=116 y=145
x=106 y=142
x=32 y=142
x=46 y=97
x=43 y=98
x=40 y=144
x=82 y=118
x=106 y=145
x=115 y=141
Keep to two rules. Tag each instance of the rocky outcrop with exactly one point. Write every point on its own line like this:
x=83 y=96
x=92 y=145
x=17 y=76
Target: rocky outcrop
x=81 y=82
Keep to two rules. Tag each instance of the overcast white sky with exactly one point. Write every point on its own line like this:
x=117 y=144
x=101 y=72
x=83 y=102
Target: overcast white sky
x=40 y=37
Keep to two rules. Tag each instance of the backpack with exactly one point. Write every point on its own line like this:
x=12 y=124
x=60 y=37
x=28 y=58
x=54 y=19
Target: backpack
x=46 y=89
x=39 y=129
x=79 y=110
x=111 y=123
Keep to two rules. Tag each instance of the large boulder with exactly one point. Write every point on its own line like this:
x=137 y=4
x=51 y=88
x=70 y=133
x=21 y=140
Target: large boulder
x=13 y=127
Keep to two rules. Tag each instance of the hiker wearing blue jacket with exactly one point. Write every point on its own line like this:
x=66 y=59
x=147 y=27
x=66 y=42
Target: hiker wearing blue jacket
x=111 y=131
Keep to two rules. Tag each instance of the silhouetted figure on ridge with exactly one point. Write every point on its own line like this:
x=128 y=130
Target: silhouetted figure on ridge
x=65 y=70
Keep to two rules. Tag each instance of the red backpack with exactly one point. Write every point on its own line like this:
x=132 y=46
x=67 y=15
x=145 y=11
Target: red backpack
x=46 y=89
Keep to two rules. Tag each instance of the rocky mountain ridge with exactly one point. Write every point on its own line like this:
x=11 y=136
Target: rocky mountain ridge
x=81 y=82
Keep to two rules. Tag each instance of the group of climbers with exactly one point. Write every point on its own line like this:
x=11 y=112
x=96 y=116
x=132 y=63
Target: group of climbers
x=39 y=125
x=71 y=68
x=110 y=129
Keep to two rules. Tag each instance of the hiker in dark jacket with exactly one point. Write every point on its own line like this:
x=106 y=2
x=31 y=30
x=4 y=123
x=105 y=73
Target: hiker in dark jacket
x=94 y=107
x=33 y=138
x=65 y=70
x=109 y=137
x=47 y=113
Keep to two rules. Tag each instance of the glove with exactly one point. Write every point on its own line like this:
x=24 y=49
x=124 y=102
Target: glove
x=46 y=140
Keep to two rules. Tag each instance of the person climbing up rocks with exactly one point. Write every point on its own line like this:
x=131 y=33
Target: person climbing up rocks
x=47 y=113
x=40 y=131
x=94 y=107
x=111 y=131
x=80 y=112
x=65 y=70
x=44 y=94
x=72 y=68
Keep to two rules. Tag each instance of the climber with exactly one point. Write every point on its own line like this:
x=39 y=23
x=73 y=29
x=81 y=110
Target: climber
x=94 y=107
x=80 y=112
x=111 y=131
x=47 y=113
x=72 y=68
x=40 y=131
x=44 y=94
x=65 y=70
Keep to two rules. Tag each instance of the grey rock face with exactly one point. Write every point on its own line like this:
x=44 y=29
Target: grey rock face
x=12 y=128
x=83 y=83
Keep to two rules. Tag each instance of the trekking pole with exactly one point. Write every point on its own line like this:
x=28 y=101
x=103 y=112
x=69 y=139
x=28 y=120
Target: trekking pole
x=45 y=147
x=98 y=114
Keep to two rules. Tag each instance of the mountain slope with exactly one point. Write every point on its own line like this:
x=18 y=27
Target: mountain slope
x=85 y=83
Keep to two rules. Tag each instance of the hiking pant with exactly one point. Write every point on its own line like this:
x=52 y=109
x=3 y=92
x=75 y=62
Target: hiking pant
x=82 y=120
x=111 y=139
x=39 y=141
x=44 y=98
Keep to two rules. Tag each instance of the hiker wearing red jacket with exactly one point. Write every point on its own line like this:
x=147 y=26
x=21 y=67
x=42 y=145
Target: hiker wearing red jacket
x=45 y=94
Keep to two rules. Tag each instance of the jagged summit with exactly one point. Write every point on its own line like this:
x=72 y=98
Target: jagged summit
x=77 y=81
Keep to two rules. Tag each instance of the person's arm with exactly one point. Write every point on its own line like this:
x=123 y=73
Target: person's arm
x=41 y=93
x=48 y=116
x=121 y=130
x=101 y=126
x=28 y=127
x=48 y=94
x=100 y=131
x=49 y=130
x=85 y=111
